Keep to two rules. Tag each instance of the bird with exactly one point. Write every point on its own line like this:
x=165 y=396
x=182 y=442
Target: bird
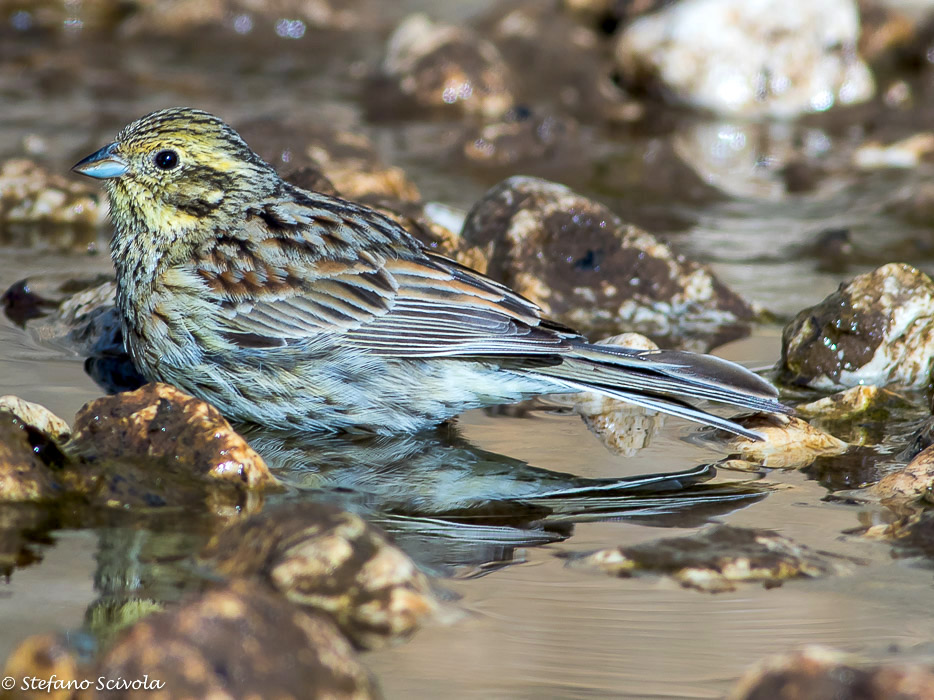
x=298 y=310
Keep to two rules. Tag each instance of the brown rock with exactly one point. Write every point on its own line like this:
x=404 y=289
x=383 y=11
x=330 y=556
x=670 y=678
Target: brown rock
x=25 y=458
x=583 y=265
x=913 y=482
x=441 y=66
x=876 y=329
x=787 y=442
x=332 y=561
x=241 y=641
x=522 y=136
x=819 y=673
x=158 y=421
x=715 y=559
x=43 y=658
x=68 y=213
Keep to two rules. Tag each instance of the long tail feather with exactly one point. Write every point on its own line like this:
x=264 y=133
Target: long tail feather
x=662 y=379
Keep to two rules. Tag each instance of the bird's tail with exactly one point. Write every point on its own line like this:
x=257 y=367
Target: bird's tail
x=663 y=379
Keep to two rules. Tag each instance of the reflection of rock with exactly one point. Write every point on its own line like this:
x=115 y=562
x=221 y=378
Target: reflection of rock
x=239 y=641
x=859 y=414
x=819 y=673
x=43 y=657
x=750 y=58
x=442 y=66
x=522 y=136
x=759 y=160
x=583 y=265
x=787 y=443
x=331 y=561
x=622 y=427
x=876 y=329
x=715 y=559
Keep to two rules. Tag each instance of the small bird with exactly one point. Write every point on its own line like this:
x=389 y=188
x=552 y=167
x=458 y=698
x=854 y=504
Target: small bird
x=302 y=311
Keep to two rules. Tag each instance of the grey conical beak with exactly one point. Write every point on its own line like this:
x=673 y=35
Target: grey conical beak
x=103 y=165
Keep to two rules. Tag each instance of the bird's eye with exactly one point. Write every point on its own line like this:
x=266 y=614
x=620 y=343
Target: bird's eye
x=166 y=160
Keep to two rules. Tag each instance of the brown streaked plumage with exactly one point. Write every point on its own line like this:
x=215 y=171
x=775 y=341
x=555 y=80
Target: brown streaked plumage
x=300 y=310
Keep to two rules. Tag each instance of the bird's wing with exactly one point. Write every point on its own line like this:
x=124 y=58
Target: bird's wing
x=273 y=292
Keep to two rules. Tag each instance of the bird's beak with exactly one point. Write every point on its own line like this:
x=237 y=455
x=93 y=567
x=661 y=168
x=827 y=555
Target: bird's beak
x=103 y=165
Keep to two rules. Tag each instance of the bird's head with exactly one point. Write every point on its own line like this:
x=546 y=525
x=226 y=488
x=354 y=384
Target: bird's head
x=177 y=171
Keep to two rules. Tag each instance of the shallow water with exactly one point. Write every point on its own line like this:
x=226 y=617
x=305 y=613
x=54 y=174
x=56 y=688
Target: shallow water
x=533 y=627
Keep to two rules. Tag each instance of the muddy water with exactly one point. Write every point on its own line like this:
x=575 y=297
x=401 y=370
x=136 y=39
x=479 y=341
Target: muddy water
x=532 y=627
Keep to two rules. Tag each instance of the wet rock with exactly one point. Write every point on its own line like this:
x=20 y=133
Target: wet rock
x=787 y=443
x=324 y=159
x=914 y=482
x=584 y=266
x=332 y=561
x=43 y=658
x=159 y=422
x=438 y=66
x=907 y=153
x=715 y=559
x=27 y=458
x=623 y=428
x=240 y=641
x=818 y=673
x=876 y=329
x=753 y=59
x=858 y=402
x=522 y=136
x=36 y=418
x=42 y=208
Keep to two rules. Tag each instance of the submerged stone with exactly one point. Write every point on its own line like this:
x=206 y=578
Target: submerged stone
x=876 y=329
x=715 y=559
x=332 y=561
x=240 y=641
x=820 y=673
x=914 y=482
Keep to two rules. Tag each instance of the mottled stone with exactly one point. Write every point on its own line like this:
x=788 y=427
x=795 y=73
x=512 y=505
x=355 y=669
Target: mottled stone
x=820 y=673
x=715 y=559
x=43 y=658
x=437 y=65
x=26 y=458
x=787 y=442
x=332 y=561
x=240 y=641
x=584 y=266
x=912 y=483
x=36 y=417
x=749 y=57
x=876 y=329
x=42 y=208
x=866 y=402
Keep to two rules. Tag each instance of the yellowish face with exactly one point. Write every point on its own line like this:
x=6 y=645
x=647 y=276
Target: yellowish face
x=178 y=170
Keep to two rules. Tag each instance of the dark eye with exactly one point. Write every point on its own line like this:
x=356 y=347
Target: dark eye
x=166 y=160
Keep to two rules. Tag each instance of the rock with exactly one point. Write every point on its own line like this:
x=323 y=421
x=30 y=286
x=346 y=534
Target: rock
x=715 y=559
x=159 y=422
x=584 y=266
x=914 y=482
x=856 y=403
x=46 y=664
x=623 y=428
x=240 y=641
x=912 y=534
x=761 y=58
x=438 y=66
x=876 y=329
x=907 y=153
x=69 y=212
x=26 y=454
x=36 y=418
x=819 y=673
x=328 y=160
x=787 y=442
x=331 y=561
